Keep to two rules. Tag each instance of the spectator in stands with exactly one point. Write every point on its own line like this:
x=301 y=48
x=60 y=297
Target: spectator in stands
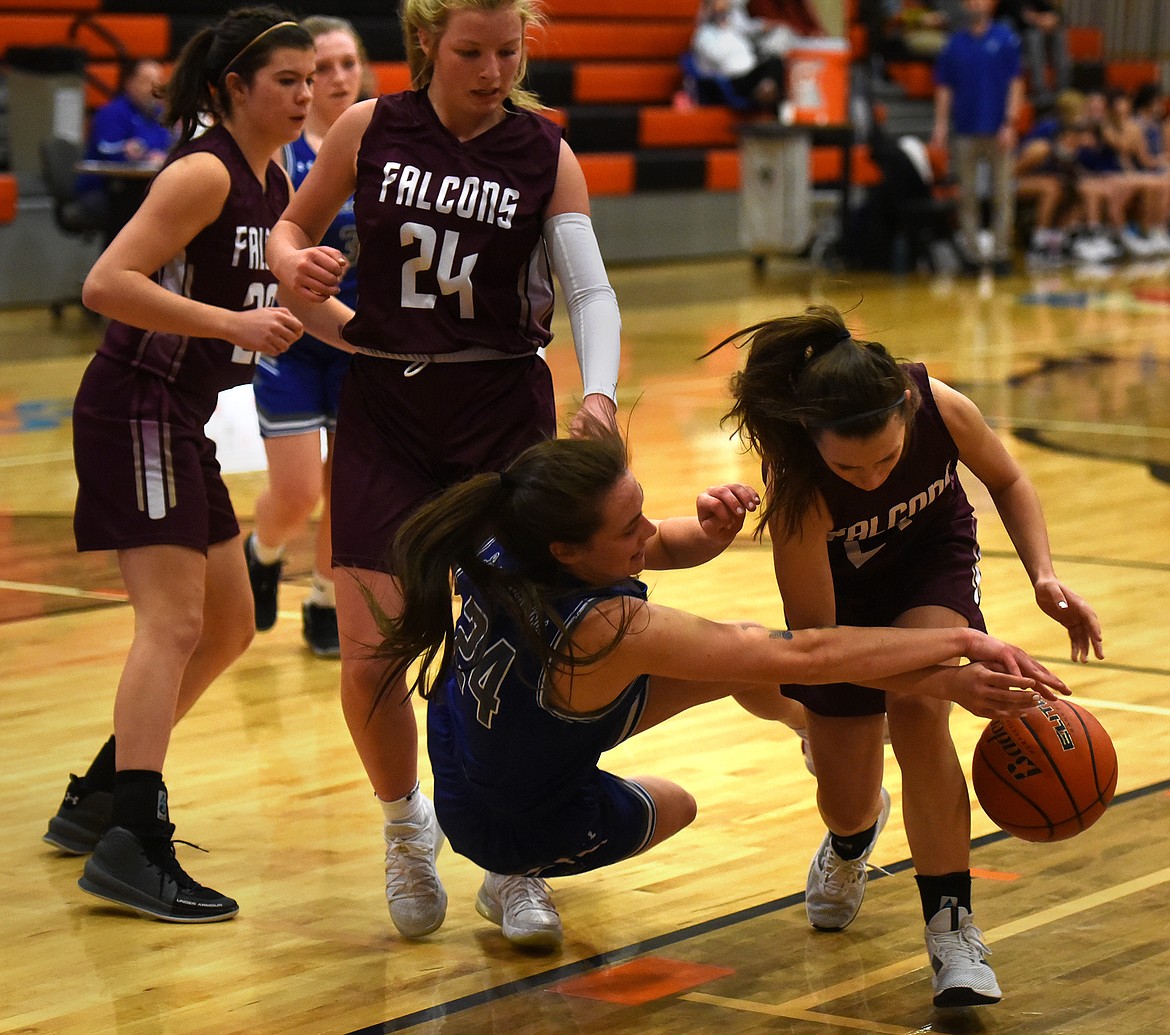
x=1149 y=112
x=128 y=129
x=797 y=15
x=1040 y=26
x=725 y=49
x=1149 y=168
x=978 y=93
x=1109 y=188
x=1048 y=174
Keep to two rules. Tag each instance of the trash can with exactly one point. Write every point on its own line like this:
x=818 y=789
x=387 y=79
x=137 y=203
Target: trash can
x=46 y=97
x=775 y=198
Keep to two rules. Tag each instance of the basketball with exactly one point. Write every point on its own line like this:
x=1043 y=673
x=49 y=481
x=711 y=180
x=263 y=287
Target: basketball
x=1048 y=774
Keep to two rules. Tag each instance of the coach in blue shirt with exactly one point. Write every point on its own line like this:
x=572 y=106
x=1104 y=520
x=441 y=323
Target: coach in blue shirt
x=129 y=129
x=978 y=91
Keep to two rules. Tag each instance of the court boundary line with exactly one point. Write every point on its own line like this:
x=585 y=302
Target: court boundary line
x=803 y=1007
x=627 y=952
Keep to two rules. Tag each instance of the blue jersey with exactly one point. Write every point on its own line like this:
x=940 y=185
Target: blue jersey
x=505 y=743
x=979 y=71
x=299 y=157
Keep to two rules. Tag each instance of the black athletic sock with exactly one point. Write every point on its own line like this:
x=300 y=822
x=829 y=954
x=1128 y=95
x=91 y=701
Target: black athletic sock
x=950 y=889
x=854 y=845
x=140 y=803
x=100 y=774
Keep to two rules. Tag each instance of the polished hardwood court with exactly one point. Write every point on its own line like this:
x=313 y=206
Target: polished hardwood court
x=706 y=933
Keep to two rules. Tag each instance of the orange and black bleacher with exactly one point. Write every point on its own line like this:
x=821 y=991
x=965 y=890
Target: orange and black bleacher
x=609 y=69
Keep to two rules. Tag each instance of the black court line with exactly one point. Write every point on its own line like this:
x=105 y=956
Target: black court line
x=1141 y=670
x=607 y=959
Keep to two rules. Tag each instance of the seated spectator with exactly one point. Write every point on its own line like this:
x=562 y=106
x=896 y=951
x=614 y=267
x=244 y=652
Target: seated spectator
x=1040 y=26
x=1144 y=157
x=908 y=31
x=1048 y=174
x=725 y=48
x=797 y=15
x=127 y=129
x=1149 y=112
x=1109 y=178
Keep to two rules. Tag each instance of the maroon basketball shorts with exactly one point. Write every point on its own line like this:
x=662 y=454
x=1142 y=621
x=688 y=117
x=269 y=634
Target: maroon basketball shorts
x=146 y=472
x=402 y=439
x=944 y=575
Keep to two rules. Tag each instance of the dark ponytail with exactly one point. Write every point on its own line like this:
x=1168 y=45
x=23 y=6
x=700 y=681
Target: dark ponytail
x=805 y=375
x=241 y=42
x=553 y=492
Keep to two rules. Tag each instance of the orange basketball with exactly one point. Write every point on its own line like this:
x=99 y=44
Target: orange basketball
x=1046 y=775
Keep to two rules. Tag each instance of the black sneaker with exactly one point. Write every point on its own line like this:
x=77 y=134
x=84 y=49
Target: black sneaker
x=319 y=622
x=81 y=820
x=145 y=875
x=265 y=579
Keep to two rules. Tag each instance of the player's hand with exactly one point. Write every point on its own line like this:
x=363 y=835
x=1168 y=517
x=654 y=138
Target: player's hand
x=722 y=510
x=1074 y=613
x=1014 y=661
x=313 y=274
x=595 y=407
x=269 y=330
x=994 y=695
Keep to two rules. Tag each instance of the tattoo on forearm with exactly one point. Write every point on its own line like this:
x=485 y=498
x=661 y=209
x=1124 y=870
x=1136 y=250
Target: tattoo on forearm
x=780 y=634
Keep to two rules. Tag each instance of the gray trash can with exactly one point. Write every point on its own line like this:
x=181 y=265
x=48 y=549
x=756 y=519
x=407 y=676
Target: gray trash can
x=46 y=97
x=775 y=201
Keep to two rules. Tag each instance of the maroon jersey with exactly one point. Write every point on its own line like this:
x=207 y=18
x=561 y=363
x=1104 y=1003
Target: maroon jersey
x=450 y=233
x=908 y=543
x=223 y=266
x=879 y=535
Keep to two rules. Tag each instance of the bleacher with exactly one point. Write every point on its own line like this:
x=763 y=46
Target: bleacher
x=664 y=177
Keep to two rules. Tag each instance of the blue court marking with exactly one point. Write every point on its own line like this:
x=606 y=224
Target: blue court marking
x=35 y=415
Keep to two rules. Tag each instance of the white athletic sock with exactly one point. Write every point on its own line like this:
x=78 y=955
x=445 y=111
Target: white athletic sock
x=323 y=593
x=266 y=554
x=405 y=808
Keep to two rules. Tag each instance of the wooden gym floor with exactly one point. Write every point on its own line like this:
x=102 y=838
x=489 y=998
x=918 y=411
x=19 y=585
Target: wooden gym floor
x=707 y=932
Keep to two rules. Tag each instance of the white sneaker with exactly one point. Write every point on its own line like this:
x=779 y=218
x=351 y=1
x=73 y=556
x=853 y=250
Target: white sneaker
x=1136 y=245
x=523 y=907
x=1159 y=241
x=957 y=956
x=836 y=886
x=418 y=903
x=1095 y=247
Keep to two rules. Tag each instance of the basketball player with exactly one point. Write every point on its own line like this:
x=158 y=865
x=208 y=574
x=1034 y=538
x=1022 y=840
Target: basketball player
x=189 y=270
x=297 y=392
x=870 y=526
x=559 y=656
x=463 y=197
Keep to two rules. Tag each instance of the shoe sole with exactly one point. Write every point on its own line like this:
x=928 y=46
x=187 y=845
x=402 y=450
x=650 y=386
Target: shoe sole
x=543 y=939
x=111 y=894
x=956 y=998
x=332 y=653
x=63 y=841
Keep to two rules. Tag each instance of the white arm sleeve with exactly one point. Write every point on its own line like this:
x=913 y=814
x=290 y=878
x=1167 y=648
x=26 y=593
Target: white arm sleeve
x=593 y=310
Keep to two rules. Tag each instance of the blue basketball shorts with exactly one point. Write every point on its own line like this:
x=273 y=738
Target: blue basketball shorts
x=299 y=391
